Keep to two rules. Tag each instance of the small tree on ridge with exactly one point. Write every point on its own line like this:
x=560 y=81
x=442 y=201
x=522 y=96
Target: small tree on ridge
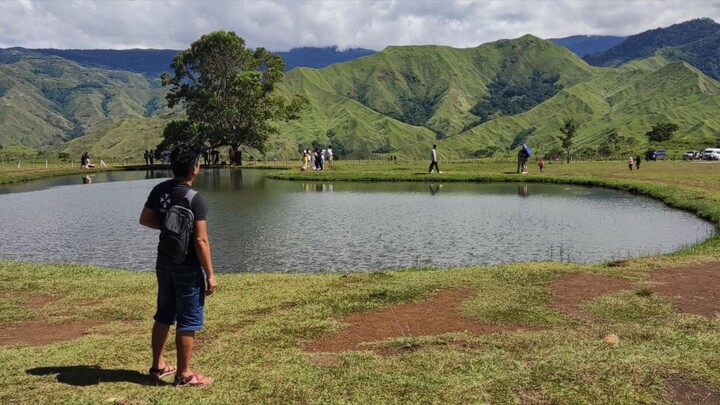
x=569 y=129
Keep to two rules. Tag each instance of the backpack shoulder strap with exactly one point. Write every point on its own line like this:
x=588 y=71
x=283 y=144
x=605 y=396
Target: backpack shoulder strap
x=189 y=196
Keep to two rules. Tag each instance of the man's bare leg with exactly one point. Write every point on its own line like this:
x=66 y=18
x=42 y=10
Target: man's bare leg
x=159 y=336
x=184 y=342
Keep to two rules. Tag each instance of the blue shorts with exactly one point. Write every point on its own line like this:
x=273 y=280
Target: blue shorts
x=181 y=296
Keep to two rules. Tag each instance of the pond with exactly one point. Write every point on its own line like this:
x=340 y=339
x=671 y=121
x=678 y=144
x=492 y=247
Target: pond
x=261 y=225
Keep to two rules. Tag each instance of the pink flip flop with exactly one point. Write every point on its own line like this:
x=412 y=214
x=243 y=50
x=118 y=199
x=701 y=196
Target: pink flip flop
x=160 y=373
x=193 y=380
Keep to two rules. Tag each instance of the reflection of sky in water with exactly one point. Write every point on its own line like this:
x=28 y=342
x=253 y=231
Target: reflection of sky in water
x=257 y=224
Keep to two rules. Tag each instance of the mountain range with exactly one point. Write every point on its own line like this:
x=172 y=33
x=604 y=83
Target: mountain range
x=473 y=102
x=582 y=45
x=153 y=62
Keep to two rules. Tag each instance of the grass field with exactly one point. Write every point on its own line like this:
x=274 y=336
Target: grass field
x=632 y=345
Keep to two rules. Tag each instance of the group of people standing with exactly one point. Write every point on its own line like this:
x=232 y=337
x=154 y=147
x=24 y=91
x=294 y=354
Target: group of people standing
x=316 y=158
x=149 y=156
x=636 y=162
x=85 y=161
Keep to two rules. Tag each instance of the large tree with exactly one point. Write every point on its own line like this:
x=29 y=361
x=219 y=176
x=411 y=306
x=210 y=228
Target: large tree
x=228 y=93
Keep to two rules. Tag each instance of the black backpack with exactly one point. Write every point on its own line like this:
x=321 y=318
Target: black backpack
x=177 y=230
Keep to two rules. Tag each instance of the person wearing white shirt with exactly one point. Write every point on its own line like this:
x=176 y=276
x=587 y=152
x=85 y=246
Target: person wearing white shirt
x=434 y=160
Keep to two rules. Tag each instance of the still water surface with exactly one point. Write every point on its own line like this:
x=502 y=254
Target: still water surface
x=261 y=225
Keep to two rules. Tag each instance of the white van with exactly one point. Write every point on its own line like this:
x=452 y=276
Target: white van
x=711 y=154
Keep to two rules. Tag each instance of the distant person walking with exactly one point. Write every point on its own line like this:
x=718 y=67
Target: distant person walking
x=541 y=165
x=329 y=153
x=181 y=287
x=434 y=160
x=630 y=163
x=637 y=162
x=318 y=159
x=305 y=159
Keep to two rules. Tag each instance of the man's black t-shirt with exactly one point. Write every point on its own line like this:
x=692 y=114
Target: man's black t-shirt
x=169 y=193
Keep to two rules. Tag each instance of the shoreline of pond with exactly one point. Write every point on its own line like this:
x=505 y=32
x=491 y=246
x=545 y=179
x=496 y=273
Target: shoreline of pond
x=679 y=196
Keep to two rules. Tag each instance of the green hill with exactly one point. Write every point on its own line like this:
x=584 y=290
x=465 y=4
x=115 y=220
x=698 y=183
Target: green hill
x=405 y=95
x=124 y=139
x=403 y=99
x=626 y=102
x=703 y=54
x=46 y=101
x=696 y=42
x=474 y=102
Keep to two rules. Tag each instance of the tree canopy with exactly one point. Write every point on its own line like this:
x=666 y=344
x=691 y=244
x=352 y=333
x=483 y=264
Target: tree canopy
x=514 y=96
x=662 y=131
x=228 y=93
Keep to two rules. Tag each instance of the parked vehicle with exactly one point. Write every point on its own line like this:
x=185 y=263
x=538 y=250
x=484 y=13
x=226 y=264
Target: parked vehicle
x=656 y=154
x=711 y=154
x=692 y=155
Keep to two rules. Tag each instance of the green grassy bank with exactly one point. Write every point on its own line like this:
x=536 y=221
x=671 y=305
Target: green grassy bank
x=9 y=175
x=258 y=327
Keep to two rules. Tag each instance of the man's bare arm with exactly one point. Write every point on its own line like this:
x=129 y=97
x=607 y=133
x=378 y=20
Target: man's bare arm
x=148 y=218
x=202 y=248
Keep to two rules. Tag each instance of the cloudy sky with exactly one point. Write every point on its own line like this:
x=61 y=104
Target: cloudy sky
x=281 y=25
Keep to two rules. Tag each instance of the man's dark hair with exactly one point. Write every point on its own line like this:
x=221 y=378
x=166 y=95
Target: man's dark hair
x=184 y=158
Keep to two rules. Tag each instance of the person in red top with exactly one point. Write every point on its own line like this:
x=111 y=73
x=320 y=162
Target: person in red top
x=541 y=164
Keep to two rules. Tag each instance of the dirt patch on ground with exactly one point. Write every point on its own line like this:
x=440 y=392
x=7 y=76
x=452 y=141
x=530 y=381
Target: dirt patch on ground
x=40 y=332
x=436 y=316
x=569 y=290
x=37 y=303
x=693 y=289
x=688 y=393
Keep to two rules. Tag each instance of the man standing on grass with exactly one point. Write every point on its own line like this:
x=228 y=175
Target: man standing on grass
x=181 y=287
x=329 y=155
x=434 y=160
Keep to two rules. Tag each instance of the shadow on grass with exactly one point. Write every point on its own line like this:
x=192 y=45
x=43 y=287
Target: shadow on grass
x=93 y=375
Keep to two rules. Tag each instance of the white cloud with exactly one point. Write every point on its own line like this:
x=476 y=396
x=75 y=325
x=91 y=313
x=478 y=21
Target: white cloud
x=282 y=24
